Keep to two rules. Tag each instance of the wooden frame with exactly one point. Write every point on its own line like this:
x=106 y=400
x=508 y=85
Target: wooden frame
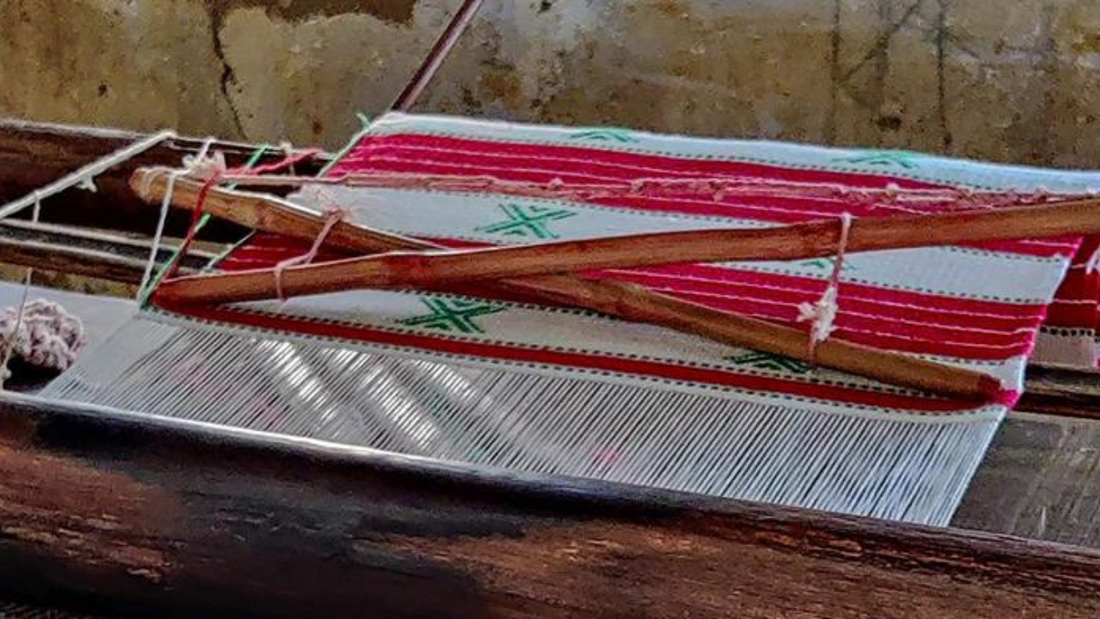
x=118 y=513
x=114 y=512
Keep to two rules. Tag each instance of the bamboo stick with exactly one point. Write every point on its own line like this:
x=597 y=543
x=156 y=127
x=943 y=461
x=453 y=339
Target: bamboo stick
x=620 y=299
x=792 y=242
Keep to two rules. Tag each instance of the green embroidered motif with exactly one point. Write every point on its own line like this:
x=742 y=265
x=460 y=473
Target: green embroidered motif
x=527 y=221
x=885 y=158
x=608 y=134
x=766 y=361
x=453 y=315
x=826 y=264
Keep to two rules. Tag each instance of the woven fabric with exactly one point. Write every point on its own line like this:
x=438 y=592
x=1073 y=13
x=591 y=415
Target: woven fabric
x=569 y=392
x=979 y=306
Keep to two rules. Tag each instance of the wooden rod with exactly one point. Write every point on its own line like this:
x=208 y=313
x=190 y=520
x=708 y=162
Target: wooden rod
x=791 y=242
x=113 y=513
x=76 y=251
x=437 y=56
x=620 y=299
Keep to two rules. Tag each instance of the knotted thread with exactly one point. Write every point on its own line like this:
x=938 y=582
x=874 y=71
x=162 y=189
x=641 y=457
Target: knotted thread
x=334 y=214
x=201 y=166
x=212 y=168
x=41 y=333
x=822 y=315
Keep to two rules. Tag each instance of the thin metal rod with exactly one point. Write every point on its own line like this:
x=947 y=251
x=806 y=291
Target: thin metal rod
x=436 y=57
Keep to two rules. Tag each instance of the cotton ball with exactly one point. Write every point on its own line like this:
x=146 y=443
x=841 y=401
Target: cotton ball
x=43 y=335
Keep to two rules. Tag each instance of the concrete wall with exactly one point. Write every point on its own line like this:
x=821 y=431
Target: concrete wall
x=1008 y=80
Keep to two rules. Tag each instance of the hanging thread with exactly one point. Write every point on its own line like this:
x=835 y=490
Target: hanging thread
x=216 y=171
x=822 y=314
x=191 y=165
x=333 y=215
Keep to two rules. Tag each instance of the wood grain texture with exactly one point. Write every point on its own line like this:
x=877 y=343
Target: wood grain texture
x=34 y=154
x=788 y=242
x=77 y=251
x=1062 y=391
x=1039 y=480
x=117 y=513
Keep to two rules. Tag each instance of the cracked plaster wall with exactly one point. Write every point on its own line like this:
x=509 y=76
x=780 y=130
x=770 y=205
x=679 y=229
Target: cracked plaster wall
x=1008 y=80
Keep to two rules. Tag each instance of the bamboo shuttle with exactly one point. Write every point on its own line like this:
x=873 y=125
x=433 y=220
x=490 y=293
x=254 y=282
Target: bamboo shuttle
x=627 y=301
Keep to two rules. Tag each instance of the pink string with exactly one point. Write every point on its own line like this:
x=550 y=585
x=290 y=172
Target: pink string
x=334 y=216
x=204 y=193
x=841 y=249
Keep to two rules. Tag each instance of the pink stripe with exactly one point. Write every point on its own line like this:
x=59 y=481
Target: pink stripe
x=785 y=209
x=684 y=166
x=932 y=314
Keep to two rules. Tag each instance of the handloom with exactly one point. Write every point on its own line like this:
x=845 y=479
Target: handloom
x=530 y=387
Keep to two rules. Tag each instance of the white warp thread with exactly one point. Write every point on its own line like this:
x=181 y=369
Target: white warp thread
x=85 y=176
x=202 y=166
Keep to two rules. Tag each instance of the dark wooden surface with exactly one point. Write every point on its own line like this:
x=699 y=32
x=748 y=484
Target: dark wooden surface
x=10 y=610
x=104 y=511
x=1039 y=480
x=1041 y=476
x=76 y=251
x=35 y=154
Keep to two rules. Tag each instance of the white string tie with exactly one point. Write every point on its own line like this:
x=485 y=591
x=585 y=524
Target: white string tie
x=193 y=166
x=822 y=314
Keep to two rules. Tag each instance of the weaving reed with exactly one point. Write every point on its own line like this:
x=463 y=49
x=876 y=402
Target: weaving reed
x=570 y=392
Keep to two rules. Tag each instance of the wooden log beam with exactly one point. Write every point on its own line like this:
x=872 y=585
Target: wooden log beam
x=1062 y=392
x=88 y=253
x=118 y=513
x=34 y=154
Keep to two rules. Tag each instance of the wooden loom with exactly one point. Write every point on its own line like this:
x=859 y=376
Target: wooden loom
x=98 y=514
x=55 y=453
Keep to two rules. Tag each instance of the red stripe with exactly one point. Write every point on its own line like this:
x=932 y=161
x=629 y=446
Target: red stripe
x=682 y=165
x=921 y=324
x=861 y=291
x=931 y=310
x=542 y=164
x=1075 y=302
x=884 y=333
x=923 y=404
